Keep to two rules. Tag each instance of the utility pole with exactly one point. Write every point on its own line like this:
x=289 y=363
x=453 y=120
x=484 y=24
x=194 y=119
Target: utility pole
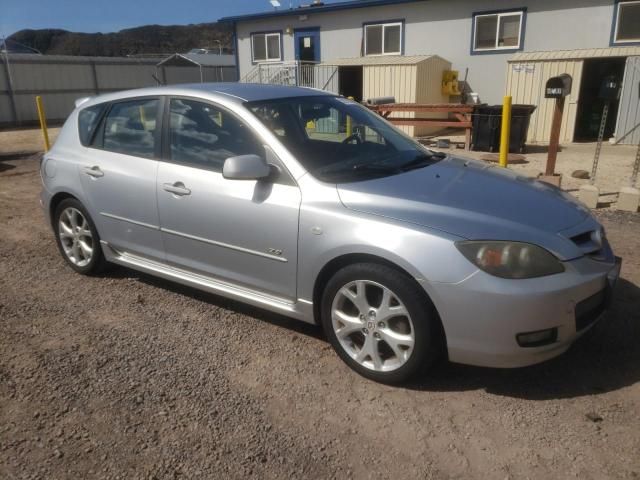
x=12 y=99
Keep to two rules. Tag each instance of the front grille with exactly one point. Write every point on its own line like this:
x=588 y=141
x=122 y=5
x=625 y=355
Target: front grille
x=589 y=309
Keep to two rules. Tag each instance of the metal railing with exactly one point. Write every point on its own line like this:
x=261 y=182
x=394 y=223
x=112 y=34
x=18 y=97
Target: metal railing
x=296 y=73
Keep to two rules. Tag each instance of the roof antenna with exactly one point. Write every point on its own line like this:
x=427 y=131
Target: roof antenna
x=275 y=4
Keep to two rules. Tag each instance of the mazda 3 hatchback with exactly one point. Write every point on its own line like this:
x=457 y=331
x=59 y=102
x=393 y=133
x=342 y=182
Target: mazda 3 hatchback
x=306 y=203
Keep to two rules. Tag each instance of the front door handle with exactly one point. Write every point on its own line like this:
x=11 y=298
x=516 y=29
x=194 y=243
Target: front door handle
x=94 y=171
x=176 y=188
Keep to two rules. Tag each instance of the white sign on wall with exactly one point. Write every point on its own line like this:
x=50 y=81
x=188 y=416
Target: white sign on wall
x=521 y=67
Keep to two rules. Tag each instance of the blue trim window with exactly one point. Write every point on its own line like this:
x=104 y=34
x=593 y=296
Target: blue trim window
x=266 y=47
x=498 y=31
x=626 y=23
x=383 y=38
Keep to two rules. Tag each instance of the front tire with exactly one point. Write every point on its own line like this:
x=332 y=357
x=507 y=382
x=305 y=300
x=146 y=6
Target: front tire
x=379 y=322
x=77 y=238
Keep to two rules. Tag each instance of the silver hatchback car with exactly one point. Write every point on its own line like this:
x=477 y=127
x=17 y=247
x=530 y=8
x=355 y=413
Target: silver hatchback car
x=308 y=204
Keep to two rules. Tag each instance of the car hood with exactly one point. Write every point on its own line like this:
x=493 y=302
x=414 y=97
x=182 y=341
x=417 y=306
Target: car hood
x=475 y=200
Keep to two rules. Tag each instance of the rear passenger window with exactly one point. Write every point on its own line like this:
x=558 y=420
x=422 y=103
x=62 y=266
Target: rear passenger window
x=87 y=120
x=130 y=127
x=205 y=136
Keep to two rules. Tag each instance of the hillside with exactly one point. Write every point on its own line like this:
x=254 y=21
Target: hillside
x=145 y=39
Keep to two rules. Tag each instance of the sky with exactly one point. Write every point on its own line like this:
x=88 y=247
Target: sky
x=113 y=15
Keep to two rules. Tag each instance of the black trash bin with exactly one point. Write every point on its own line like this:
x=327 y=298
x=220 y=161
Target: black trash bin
x=487 y=123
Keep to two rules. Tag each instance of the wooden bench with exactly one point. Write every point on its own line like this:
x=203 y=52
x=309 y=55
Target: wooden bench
x=460 y=113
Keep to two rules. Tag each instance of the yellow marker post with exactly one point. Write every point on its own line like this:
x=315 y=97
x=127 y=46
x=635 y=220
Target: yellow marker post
x=143 y=119
x=43 y=123
x=505 y=131
x=349 y=123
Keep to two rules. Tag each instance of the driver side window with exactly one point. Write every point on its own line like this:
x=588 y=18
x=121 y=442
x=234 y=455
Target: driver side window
x=204 y=136
x=331 y=125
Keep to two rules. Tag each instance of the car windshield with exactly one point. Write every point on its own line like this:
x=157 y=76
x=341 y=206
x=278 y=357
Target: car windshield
x=338 y=140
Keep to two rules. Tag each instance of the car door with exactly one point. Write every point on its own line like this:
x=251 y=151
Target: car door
x=240 y=231
x=118 y=175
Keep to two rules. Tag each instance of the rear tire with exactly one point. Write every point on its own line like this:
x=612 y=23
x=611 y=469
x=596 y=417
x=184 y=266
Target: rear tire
x=380 y=322
x=77 y=238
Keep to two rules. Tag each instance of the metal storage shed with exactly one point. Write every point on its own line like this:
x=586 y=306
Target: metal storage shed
x=628 y=122
x=410 y=79
x=198 y=67
x=528 y=72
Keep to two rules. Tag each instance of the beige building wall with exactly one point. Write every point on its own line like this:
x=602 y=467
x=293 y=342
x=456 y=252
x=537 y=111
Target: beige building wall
x=526 y=83
x=417 y=83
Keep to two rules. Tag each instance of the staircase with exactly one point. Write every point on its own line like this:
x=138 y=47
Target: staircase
x=299 y=74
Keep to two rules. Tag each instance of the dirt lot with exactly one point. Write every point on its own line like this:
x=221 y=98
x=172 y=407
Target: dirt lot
x=126 y=376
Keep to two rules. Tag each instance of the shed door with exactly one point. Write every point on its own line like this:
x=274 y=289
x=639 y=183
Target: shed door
x=628 y=125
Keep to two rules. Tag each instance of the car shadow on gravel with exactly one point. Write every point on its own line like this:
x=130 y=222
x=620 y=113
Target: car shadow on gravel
x=13 y=156
x=222 y=302
x=606 y=358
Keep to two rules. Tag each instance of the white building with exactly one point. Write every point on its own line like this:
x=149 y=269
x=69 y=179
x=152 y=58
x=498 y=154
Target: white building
x=476 y=36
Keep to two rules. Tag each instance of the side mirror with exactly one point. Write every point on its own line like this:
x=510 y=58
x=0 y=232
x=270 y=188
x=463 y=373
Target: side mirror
x=245 y=167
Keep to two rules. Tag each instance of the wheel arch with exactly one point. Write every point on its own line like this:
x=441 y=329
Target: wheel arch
x=55 y=201
x=337 y=263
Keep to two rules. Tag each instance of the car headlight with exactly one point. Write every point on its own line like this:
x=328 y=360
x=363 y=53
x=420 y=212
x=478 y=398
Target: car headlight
x=510 y=259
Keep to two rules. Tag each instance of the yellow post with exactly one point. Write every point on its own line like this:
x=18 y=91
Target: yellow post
x=143 y=119
x=349 y=123
x=43 y=123
x=505 y=131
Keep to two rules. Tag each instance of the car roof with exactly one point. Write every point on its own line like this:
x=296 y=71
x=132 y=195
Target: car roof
x=240 y=92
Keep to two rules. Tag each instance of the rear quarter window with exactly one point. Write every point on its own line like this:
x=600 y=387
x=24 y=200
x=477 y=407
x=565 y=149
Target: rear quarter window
x=130 y=126
x=87 y=121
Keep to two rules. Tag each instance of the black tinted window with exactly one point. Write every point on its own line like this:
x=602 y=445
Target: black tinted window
x=206 y=136
x=130 y=127
x=87 y=120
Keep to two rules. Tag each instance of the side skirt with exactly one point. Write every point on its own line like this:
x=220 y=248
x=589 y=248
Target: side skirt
x=300 y=310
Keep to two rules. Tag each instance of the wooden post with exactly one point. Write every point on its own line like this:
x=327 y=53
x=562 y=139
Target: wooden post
x=554 y=140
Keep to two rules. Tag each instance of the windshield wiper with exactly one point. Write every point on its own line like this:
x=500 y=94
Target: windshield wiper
x=340 y=167
x=422 y=160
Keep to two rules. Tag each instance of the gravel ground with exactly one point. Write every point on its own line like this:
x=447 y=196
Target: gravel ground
x=126 y=376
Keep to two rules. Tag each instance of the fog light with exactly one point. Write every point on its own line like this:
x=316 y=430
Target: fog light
x=537 y=339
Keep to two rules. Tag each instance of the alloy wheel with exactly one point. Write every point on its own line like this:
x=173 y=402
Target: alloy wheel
x=75 y=236
x=372 y=325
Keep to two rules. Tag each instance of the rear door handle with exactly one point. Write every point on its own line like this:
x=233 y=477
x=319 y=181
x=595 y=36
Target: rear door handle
x=94 y=171
x=177 y=188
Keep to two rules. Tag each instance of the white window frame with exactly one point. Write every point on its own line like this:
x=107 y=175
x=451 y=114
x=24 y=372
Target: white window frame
x=615 y=33
x=499 y=15
x=384 y=28
x=266 y=35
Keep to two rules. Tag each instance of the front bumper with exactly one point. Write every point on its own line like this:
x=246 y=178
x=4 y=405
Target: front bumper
x=482 y=315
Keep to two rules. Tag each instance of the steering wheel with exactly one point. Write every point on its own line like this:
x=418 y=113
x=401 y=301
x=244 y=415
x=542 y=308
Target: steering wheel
x=352 y=137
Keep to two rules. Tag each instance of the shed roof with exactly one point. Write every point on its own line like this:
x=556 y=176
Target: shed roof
x=380 y=60
x=630 y=51
x=199 y=59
